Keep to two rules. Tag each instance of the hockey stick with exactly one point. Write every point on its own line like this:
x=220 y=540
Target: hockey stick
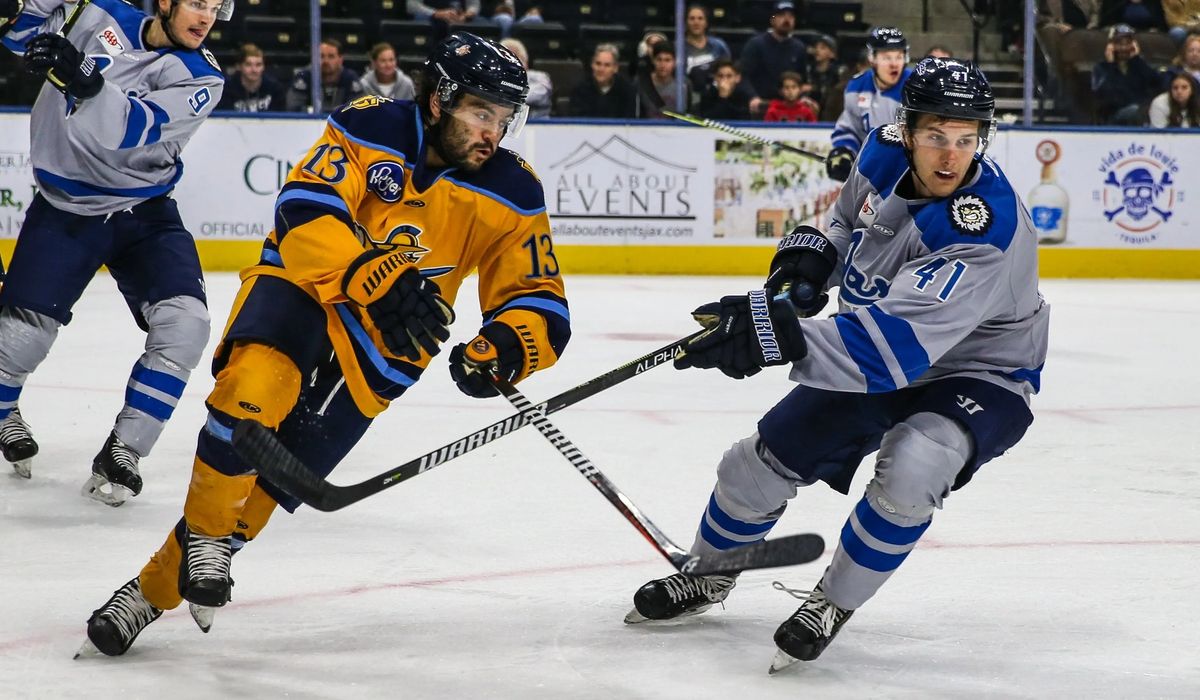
x=741 y=134
x=784 y=551
x=259 y=446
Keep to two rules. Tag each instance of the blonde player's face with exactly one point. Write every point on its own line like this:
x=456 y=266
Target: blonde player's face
x=888 y=65
x=942 y=151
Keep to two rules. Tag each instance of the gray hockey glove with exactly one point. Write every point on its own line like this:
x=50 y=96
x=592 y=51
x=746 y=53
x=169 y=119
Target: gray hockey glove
x=839 y=163
x=802 y=264
x=745 y=334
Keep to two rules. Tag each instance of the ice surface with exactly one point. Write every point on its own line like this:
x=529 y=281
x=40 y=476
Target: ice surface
x=1066 y=568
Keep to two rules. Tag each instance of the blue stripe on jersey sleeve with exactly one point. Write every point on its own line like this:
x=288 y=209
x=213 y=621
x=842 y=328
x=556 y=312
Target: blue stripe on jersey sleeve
x=160 y=119
x=547 y=305
x=331 y=201
x=864 y=353
x=902 y=340
x=135 y=124
x=19 y=34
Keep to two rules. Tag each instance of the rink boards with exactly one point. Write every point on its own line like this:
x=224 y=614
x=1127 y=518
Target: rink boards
x=676 y=199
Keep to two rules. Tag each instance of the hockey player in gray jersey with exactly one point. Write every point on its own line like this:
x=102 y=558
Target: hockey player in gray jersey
x=932 y=358
x=123 y=94
x=871 y=100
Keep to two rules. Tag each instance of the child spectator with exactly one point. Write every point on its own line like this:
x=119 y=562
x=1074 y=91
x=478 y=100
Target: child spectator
x=727 y=98
x=790 y=107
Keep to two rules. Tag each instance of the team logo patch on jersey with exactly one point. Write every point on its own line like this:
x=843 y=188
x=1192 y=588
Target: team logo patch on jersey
x=403 y=239
x=386 y=180
x=970 y=215
x=111 y=41
x=212 y=60
x=891 y=135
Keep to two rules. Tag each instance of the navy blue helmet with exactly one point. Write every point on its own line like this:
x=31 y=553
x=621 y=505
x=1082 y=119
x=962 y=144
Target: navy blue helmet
x=952 y=89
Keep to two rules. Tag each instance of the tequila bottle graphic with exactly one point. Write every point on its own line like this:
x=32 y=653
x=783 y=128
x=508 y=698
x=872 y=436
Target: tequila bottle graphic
x=1048 y=202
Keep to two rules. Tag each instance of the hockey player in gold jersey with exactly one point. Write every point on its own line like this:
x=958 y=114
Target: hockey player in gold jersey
x=374 y=232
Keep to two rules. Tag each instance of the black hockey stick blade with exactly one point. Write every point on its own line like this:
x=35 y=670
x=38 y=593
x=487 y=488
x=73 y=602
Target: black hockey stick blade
x=258 y=445
x=781 y=551
x=262 y=449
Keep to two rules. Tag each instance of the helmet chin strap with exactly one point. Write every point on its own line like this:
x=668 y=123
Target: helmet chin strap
x=165 y=21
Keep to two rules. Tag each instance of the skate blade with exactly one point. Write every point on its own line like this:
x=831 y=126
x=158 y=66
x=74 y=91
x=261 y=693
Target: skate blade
x=86 y=650
x=203 y=616
x=633 y=617
x=115 y=496
x=23 y=468
x=781 y=661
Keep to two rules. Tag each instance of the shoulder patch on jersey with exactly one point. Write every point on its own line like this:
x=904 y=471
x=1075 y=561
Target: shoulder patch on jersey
x=509 y=180
x=891 y=135
x=212 y=60
x=528 y=168
x=366 y=102
x=970 y=215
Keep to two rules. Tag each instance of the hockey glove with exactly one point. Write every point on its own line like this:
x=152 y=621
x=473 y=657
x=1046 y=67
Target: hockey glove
x=745 y=334
x=802 y=264
x=497 y=345
x=839 y=163
x=407 y=309
x=66 y=67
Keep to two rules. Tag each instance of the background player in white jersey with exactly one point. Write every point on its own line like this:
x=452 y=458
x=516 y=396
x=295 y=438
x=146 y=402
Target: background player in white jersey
x=937 y=347
x=871 y=100
x=123 y=95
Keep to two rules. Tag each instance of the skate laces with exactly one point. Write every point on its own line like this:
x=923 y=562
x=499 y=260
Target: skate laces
x=14 y=428
x=123 y=457
x=681 y=587
x=817 y=612
x=129 y=610
x=208 y=557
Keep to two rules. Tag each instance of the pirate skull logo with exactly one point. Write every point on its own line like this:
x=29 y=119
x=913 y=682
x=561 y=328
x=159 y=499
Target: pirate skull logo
x=1139 y=193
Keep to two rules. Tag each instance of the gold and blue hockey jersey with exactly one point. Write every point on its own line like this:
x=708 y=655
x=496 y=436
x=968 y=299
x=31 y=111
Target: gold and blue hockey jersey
x=364 y=185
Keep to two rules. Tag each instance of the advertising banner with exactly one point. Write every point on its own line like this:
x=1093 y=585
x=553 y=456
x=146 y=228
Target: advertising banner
x=666 y=185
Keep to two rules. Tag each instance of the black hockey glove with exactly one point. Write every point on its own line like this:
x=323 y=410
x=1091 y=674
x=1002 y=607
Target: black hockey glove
x=407 y=309
x=803 y=262
x=746 y=333
x=497 y=345
x=66 y=67
x=839 y=163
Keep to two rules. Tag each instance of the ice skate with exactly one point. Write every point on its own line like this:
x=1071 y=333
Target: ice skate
x=678 y=595
x=204 y=572
x=203 y=616
x=112 y=628
x=115 y=467
x=804 y=635
x=17 y=443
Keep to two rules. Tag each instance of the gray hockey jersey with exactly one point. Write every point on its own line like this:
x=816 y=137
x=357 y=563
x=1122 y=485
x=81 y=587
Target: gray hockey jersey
x=122 y=146
x=865 y=109
x=928 y=287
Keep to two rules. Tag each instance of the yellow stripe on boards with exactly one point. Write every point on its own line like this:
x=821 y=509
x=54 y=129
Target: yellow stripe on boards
x=1095 y=263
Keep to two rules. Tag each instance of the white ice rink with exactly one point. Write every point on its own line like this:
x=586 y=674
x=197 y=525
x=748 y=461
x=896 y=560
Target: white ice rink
x=1066 y=569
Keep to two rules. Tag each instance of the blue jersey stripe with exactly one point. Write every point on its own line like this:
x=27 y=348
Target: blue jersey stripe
x=363 y=142
x=492 y=195
x=376 y=358
x=553 y=307
x=160 y=118
x=864 y=353
x=733 y=525
x=77 y=188
x=902 y=340
x=886 y=531
x=329 y=200
x=135 y=125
